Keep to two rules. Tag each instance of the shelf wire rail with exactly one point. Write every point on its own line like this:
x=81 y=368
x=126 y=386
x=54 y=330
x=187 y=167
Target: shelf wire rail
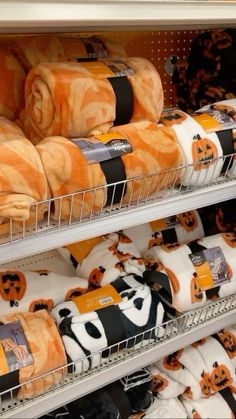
x=77 y=371
x=95 y=203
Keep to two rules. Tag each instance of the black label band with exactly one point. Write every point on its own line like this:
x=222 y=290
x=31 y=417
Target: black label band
x=124 y=99
x=227 y=395
x=227 y=144
x=114 y=171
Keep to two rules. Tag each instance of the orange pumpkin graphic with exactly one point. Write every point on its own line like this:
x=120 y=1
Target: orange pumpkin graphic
x=203 y=152
x=228 y=340
x=173 y=280
x=195 y=290
x=41 y=304
x=195 y=414
x=205 y=383
x=12 y=286
x=159 y=383
x=75 y=292
x=220 y=223
x=173 y=117
x=95 y=277
x=220 y=377
x=188 y=220
x=199 y=343
x=230 y=239
x=123 y=238
x=156 y=240
x=116 y=252
x=188 y=393
x=171 y=362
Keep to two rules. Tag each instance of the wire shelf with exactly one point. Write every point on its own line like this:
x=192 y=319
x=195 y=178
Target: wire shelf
x=159 y=340
x=63 y=212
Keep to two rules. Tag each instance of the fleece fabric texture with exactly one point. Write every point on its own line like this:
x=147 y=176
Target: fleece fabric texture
x=92 y=332
x=34 y=290
x=155 y=155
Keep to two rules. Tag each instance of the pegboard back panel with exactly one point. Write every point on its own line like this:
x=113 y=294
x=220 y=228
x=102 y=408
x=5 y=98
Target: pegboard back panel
x=157 y=46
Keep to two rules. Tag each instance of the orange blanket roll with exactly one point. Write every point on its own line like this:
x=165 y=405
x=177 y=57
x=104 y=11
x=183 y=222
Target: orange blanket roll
x=46 y=348
x=91 y=47
x=81 y=99
x=12 y=79
x=22 y=178
x=32 y=50
x=155 y=148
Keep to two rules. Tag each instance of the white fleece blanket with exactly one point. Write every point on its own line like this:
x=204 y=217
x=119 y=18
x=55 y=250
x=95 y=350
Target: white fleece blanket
x=214 y=407
x=186 y=295
x=227 y=337
x=200 y=148
x=114 y=257
x=145 y=236
x=22 y=291
x=85 y=334
x=204 y=368
x=227 y=242
x=171 y=408
x=163 y=385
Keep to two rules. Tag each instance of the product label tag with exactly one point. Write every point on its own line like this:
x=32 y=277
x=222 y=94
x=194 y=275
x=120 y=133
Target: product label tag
x=218 y=116
x=114 y=68
x=103 y=147
x=15 y=352
x=99 y=298
x=95 y=47
x=81 y=250
x=211 y=268
x=164 y=223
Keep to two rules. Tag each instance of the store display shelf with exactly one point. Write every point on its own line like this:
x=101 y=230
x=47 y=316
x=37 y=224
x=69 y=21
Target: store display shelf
x=16 y=15
x=149 y=347
x=81 y=216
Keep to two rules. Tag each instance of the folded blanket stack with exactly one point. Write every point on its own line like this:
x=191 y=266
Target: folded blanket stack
x=186 y=292
x=184 y=228
x=85 y=334
x=34 y=290
x=155 y=149
x=47 y=351
x=22 y=177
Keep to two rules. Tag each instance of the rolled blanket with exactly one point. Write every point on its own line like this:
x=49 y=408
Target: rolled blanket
x=180 y=275
x=204 y=368
x=219 y=218
x=47 y=352
x=68 y=99
x=34 y=290
x=109 y=259
x=32 y=50
x=12 y=80
x=91 y=47
x=85 y=334
x=171 y=408
x=155 y=149
x=164 y=386
x=227 y=338
x=201 y=150
x=227 y=243
x=217 y=406
x=186 y=227
x=22 y=177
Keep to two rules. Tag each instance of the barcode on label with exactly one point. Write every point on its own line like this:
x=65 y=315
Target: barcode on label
x=105 y=300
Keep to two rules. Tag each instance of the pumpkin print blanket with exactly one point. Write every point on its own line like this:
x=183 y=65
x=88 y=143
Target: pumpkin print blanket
x=186 y=292
x=220 y=405
x=34 y=290
x=68 y=99
x=202 y=151
x=47 y=351
x=204 y=368
x=22 y=177
x=155 y=149
x=186 y=228
x=107 y=259
x=90 y=334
